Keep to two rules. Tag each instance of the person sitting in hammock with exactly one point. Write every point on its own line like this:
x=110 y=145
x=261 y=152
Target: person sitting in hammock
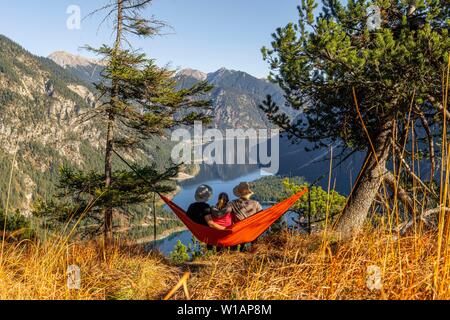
x=199 y=209
x=243 y=207
x=220 y=217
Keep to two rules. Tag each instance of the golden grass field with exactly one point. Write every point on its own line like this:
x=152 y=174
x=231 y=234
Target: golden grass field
x=30 y=271
x=305 y=267
x=285 y=266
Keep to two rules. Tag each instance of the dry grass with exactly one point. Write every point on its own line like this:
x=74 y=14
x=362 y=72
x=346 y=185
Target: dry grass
x=291 y=266
x=31 y=271
x=285 y=266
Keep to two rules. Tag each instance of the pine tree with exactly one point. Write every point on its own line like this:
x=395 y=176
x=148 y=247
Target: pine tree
x=320 y=204
x=365 y=88
x=137 y=100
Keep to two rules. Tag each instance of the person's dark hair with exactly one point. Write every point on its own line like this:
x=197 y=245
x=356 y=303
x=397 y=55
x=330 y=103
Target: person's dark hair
x=222 y=200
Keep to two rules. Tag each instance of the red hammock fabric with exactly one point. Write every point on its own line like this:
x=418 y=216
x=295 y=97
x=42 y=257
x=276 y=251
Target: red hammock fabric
x=241 y=232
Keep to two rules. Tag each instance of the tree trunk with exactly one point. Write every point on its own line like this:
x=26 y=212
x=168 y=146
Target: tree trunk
x=108 y=228
x=357 y=208
x=402 y=194
x=108 y=178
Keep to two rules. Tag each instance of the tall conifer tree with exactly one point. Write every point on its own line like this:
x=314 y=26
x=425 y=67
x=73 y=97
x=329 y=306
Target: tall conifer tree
x=137 y=100
x=365 y=87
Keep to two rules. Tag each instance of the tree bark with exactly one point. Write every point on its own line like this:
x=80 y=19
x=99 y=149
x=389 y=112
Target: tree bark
x=108 y=228
x=391 y=181
x=355 y=212
x=108 y=179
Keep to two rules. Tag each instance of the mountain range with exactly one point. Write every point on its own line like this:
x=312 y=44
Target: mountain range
x=235 y=96
x=40 y=103
x=41 y=99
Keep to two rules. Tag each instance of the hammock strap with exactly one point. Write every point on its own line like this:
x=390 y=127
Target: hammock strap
x=137 y=172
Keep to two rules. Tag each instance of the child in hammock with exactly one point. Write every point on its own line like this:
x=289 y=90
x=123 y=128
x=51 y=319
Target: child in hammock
x=220 y=216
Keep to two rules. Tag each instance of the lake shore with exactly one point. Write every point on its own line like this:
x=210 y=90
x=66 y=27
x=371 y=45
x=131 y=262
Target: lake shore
x=182 y=176
x=161 y=236
x=193 y=172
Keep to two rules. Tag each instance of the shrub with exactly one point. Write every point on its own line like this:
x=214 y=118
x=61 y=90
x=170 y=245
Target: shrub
x=179 y=253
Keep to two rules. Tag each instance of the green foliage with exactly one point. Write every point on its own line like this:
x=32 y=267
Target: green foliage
x=271 y=188
x=17 y=226
x=198 y=249
x=195 y=249
x=179 y=253
x=276 y=188
x=139 y=101
x=83 y=195
x=143 y=97
x=322 y=202
x=142 y=225
x=14 y=221
x=320 y=60
x=365 y=90
x=129 y=187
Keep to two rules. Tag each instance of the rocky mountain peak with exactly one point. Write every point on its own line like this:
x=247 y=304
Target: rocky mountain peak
x=196 y=74
x=228 y=75
x=65 y=59
x=88 y=70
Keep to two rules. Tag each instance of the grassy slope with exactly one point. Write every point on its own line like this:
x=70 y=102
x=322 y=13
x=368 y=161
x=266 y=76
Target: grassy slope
x=39 y=272
x=286 y=266
x=305 y=267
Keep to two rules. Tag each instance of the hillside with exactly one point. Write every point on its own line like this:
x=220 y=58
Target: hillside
x=40 y=105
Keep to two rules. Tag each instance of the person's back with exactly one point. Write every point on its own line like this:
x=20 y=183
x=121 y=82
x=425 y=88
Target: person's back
x=243 y=207
x=197 y=212
x=220 y=218
x=199 y=209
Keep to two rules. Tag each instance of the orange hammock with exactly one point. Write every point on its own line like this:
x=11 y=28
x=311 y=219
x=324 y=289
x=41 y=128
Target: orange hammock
x=241 y=232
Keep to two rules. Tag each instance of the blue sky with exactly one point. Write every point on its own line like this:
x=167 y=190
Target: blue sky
x=206 y=35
